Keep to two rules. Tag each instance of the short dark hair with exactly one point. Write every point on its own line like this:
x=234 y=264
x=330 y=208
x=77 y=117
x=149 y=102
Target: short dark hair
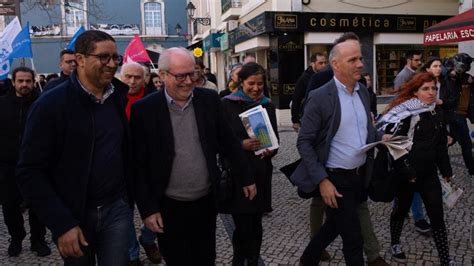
x=314 y=57
x=23 y=69
x=85 y=43
x=65 y=51
x=345 y=37
x=201 y=65
x=429 y=62
x=411 y=53
x=250 y=69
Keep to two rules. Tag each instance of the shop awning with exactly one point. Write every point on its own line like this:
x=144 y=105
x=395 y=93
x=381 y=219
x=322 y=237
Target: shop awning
x=459 y=28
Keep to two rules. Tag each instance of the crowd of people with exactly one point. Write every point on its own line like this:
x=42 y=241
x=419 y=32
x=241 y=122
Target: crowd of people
x=81 y=151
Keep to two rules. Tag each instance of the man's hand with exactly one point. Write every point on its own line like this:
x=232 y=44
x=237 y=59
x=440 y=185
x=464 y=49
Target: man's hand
x=154 y=223
x=386 y=137
x=329 y=193
x=250 y=191
x=296 y=127
x=69 y=243
x=251 y=144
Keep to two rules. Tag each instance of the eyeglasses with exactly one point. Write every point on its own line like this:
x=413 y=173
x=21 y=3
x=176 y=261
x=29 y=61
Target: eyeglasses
x=105 y=58
x=183 y=76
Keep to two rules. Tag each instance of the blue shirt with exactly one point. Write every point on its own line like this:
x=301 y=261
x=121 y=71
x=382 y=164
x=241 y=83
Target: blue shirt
x=172 y=102
x=344 y=151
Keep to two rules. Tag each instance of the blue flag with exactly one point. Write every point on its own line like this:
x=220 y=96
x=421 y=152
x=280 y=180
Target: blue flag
x=71 y=44
x=6 y=40
x=21 y=46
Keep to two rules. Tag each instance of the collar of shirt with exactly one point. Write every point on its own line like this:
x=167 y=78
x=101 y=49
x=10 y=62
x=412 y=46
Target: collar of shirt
x=107 y=92
x=342 y=87
x=172 y=102
x=411 y=70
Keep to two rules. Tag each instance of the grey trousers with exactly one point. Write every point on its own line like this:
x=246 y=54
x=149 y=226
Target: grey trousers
x=371 y=244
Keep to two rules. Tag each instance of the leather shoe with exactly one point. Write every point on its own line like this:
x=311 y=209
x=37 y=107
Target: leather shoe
x=41 y=248
x=378 y=262
x=325 y=256
x=152 y=252
x=14 y=249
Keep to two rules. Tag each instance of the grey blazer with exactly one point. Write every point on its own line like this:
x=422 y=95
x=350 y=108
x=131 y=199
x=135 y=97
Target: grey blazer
x=320 y=122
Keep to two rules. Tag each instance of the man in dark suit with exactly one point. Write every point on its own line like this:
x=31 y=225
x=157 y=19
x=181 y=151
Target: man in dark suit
x=74 y=158
x=335 y=125
x=176 y=134
x=67 y=63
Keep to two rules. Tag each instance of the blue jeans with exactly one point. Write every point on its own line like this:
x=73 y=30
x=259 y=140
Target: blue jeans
x=147 y=237
x=107 y=230
x=417 y=207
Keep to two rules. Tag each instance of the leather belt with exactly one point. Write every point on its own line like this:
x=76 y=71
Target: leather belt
x=356 y=171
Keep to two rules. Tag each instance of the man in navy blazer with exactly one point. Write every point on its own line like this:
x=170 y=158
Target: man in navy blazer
x=336 y=123
x=74 y=163
x=177 y=133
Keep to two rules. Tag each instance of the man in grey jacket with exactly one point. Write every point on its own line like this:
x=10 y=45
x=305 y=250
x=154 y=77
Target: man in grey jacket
x=335 y=125
x=413 y=63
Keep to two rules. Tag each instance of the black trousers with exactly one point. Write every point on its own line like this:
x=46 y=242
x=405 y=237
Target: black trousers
x=429 y=188
x=247 y=238
x=189 y=236
x=15 y=224
x=343 y=221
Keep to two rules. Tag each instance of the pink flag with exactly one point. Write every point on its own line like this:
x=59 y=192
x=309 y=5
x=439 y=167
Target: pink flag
x=135 y=51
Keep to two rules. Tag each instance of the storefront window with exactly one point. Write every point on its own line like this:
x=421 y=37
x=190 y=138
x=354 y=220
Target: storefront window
x=391 y=59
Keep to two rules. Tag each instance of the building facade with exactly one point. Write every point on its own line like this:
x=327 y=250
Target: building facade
x=282 y=35
x=54 y=22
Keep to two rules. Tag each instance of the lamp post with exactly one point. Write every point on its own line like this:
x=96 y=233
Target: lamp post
x=190 y=8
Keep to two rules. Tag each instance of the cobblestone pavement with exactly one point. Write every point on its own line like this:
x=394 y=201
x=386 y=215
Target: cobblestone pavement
x=286 y=229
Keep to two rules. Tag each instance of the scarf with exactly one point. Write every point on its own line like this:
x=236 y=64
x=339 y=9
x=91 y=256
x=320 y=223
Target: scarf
x=411 y=107
x=239 y=95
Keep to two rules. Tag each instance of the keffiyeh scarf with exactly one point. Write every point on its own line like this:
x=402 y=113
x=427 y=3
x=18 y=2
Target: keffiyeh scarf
x=411 y=107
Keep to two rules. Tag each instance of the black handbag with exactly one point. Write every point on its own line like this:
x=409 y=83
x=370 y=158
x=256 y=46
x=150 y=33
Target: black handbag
x=224 y=186
x=384 y=182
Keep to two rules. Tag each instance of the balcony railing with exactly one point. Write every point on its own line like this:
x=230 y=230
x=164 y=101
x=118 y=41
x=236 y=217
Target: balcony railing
x=228 y=4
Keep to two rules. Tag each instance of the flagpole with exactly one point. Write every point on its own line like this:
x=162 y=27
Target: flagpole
x=153 y=66
x=36 y=73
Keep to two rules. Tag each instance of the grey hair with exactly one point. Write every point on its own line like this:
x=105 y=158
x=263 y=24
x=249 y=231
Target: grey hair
x=165 y=57
x=129 y=64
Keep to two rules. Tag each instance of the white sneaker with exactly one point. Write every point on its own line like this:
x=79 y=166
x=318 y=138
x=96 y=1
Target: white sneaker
x=453 y=263
x=397 y=254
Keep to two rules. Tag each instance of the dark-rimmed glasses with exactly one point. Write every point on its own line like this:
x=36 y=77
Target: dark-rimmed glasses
x=180 y=77
x=105 y=58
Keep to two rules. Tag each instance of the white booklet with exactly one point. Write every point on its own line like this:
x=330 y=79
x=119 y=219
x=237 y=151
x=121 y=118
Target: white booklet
x=258 y=125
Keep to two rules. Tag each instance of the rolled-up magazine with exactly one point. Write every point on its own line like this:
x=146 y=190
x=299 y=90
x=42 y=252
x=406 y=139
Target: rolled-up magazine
x=257 y=124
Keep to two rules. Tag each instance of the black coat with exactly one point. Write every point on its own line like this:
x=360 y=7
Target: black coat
x=13 y=113
x=429 y=151
x=57 y=153
x=261 y=169
x=299 y=95
x=55 y=82
x=153 y=144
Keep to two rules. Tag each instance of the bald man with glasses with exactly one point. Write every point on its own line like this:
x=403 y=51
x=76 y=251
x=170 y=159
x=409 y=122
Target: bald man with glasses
x=177 y=133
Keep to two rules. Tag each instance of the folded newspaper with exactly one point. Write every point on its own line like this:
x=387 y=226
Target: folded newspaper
x=257 y=124
x=397 y=146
